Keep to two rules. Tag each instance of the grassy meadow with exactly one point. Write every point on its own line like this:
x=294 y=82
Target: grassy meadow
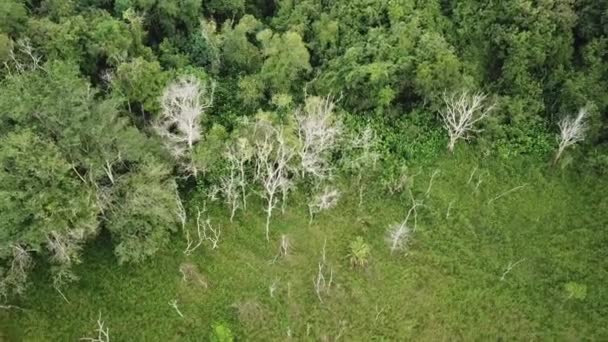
x=447 y=285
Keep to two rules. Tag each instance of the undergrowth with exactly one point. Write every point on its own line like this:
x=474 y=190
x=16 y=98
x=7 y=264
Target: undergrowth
x=498 y=250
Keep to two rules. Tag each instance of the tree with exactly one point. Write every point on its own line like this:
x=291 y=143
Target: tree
x=319 y=131
x=13 y=17
x=233 y=182
x=462 y=111
x=285 y=59
x=323 y=201
x=44 y=208
x=273 y=156
x=572 y=131
x=184 y=103
x=361 y=155
x=71 y=165
x=238 y=52
x=141 y=82
x=143 y=211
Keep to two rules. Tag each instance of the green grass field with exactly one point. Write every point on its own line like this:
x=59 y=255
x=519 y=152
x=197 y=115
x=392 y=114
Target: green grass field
x=446 y=286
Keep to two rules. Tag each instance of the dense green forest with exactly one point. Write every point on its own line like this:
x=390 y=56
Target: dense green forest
x=313 y=170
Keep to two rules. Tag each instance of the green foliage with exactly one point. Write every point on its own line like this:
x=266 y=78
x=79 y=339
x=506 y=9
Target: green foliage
x=251 y=90
x=83 y=155
x=238 y=52
x=450 y=273
x=143 y=213
x=285 y=59
x=6 y=45
x=13 y=17
x=221 y=333
x=576 y=290
x=141 y=82
x=41 y=200
x=58 y=9
x=359 y=252
x=209 y=153
x=224 y=8
x=80 y=166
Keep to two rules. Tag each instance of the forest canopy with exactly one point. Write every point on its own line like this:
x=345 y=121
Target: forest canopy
x=117 y=117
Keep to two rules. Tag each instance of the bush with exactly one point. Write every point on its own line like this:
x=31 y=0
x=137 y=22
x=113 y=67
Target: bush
x=221 y=333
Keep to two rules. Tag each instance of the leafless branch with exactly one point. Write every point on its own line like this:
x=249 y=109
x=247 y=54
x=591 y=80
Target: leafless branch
x=510 y=267
x=322 y=285
x=506 y=193
x=461 y=113
x=323 y=201
x=173 y=304
x=319 y=132
x=183 y=103
x=272 y=156
x=572 y=131
x=103 y=334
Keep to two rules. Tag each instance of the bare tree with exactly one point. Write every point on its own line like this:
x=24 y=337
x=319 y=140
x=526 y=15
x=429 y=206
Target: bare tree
x=173 y=304
x=103 y=333
x=181 y=211
x=233 y=184
x=64 y=249
x=323 y=201
x=398 y=234
x=272 y=156
x=205 y=231
x=15 y=278
x=572 y=131
x=23 y=57
x=510 y=267
x=462 y=111
x=184 y=102
x=363 y=155
x=506 y=193
x=319 y=131
x=322 y=284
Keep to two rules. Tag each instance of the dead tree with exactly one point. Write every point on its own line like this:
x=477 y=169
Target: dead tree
x=173 y=304
x=398 y=234
x=510 y=267
x=23 y=57
x=233 y=184
x=272 y=156
x=323 y=201
x=205 y=231
x=103 y=333
x=462 y=111
x=319 y=133
x=363 y=155
x=183 y=103
x=15 y=278
x=572 y=131
x=64 y=249
x=322 y=284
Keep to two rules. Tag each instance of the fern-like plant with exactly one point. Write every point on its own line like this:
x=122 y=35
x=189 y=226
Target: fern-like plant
x=359 y=253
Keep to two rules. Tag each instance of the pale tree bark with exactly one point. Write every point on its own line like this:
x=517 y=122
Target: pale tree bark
x=15 y=278
x=572 y=131
x=323 y=201
x=103 y=333
x=233 y=183
x=319 y=132
x=183 y=103
x=462 y=112
x=273 y=156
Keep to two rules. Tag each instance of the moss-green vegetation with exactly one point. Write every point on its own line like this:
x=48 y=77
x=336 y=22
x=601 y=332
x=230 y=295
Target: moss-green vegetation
x=448 y=284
